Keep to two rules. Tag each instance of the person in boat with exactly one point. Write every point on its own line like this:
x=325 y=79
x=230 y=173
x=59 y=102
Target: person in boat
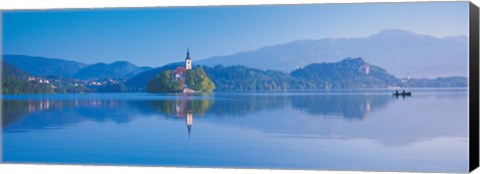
x=403 y=93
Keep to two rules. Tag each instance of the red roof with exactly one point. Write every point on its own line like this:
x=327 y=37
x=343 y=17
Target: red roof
x=179 y=70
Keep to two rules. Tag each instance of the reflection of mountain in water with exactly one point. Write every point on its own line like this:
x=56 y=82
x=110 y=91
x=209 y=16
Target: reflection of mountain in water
x=243 y=104
x=14 y=110
x=279 y=114
x=55 y=113
x=347 y=106
x=21 y=115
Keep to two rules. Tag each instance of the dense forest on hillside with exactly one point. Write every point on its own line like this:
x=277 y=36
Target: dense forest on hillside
x=15 y=81
x=240 y=78
x=348 y=73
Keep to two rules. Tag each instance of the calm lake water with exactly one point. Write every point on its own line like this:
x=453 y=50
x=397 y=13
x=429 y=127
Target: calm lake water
x=353 y=130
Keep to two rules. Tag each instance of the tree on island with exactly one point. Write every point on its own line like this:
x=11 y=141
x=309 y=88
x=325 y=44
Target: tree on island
x=195 y=79
x=165 y=83
x=199 y=81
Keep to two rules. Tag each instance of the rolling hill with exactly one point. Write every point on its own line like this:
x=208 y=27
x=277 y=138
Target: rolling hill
x=348 y=73
x=41 y=66
x=120 y=70
x=49 y=67
x=10 y=71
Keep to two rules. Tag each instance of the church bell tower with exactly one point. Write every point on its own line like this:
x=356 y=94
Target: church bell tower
x=188 y=61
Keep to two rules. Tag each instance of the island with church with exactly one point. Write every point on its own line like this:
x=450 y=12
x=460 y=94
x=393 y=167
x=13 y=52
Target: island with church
x=182 y=79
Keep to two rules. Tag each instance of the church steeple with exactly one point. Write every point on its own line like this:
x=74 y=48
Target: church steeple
x=188 y=53
x=188 y=61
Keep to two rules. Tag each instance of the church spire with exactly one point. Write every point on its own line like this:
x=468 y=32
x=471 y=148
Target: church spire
x=188 y=61
x=188 y=53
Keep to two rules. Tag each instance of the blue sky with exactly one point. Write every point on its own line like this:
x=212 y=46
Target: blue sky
x=156 y=36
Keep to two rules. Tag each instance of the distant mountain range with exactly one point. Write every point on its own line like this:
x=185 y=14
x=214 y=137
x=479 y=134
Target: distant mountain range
x=401 y=52
x=41 y=66
x=50 y=67
x=119 y=70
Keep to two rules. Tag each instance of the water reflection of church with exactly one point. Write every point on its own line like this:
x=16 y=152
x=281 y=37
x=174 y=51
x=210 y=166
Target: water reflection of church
x=183 y=111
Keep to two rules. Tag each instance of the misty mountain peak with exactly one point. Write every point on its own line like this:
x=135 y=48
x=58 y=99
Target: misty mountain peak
x=117 y=69
x=394 y=33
